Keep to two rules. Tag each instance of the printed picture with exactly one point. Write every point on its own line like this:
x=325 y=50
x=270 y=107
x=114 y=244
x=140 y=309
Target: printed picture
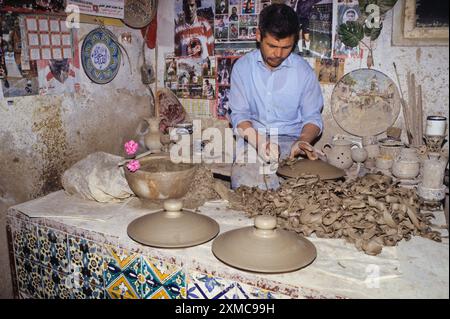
x=346 y=12
x=329 y=71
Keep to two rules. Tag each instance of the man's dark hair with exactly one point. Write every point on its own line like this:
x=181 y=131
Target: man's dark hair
x=280 y=21
x=197 y=2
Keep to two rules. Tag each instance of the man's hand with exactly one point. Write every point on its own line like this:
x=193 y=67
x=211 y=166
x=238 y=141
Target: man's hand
x=269 y=152
x=303 y=148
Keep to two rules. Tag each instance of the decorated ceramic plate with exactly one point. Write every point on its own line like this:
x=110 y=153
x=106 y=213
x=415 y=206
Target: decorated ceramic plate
x=100 y=56
x=139 y=13
x=365 y=102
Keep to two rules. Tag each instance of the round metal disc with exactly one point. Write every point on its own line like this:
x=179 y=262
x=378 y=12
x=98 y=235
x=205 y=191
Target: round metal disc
x=139 y=13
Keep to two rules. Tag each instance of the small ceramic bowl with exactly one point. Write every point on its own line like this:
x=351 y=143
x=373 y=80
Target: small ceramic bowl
x=384 y=162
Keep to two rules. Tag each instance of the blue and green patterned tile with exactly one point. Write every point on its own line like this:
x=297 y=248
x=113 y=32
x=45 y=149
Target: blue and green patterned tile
x=29 y=278
x=86 y=290
x=244 y=291
x=122 y=274
x=206 y=286
x=121 y=289
x=86 y=261
x=26 y=244
x=158 y=274
x=53 y=249
x=55 y=285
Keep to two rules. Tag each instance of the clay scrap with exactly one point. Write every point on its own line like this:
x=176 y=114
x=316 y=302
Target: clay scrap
x=370 y=211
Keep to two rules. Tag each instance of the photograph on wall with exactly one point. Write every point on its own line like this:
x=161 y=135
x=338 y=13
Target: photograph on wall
x=346 y=11
x=17 y=78
x=60 y=76
x=316 y=27
x=329 y=71
x=25 y=6
x=235 y=32
x=224 y=69
x=194 y=28
x=186 y=77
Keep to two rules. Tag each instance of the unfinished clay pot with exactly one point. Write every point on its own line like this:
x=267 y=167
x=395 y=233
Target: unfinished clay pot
x=159 y=178
x=407 y=164
x=173 y=228
x=152 y=139
x=339 y=154
x=264 y=248
x=306 y=167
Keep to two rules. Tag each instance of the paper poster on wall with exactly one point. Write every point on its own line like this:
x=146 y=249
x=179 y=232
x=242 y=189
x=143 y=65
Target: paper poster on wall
x=236 y=25
x=16 y=78
x=316 y=27
x=47 y=38
x=193 y=78
x=59 y=76
x=30 y=6
x=345 y=11
x=194 y=28
x=224 y=69
x=102 y=8
x=329 y=71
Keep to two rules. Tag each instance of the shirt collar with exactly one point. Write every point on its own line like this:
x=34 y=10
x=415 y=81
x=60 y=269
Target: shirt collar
x=286 y=63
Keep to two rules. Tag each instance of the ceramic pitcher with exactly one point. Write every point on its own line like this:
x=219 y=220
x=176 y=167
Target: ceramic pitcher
x=152 y=138
x=339 y=153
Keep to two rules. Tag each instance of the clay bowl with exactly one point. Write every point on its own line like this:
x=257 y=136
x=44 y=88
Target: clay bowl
x=159 y=178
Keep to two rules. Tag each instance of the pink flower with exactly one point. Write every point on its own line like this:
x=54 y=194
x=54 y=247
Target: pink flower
x=131 y=147
x=133 y=166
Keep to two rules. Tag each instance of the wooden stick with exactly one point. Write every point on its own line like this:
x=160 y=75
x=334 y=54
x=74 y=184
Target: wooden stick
x=404 y=109
x=414 y=107
x=420 y=106
x=411 y=109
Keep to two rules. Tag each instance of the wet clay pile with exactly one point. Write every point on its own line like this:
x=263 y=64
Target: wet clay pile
x=369 y=212
x=201 y=189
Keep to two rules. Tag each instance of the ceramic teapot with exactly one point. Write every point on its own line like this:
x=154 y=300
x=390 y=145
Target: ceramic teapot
x=152 y=139
x=339 y=153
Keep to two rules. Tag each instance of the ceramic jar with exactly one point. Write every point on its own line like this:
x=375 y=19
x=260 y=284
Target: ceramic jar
x=359 y=154
x=152 y=138
x=433 y=171
x=339 y=153
x=370 y=144
x=407 y=164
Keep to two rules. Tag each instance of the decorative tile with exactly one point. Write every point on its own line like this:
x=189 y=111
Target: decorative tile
x=122 y=274
x=29 y=278
x=162 y=280
x=121 y=289
x=86 y=261
x=87 y=290
x=205 y=286
x=53 y=249
x=26 y=244
x=244 y=291
x=56 y=285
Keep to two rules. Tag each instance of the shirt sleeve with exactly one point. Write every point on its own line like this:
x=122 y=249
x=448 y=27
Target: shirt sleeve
x=311 y=103
x=238 y=102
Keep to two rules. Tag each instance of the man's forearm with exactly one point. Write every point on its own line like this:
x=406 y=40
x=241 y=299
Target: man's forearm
x=246 y=131
x=309 y=133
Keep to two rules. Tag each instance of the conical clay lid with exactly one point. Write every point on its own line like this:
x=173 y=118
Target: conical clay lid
x=307 y=167
x=173 y=228
x=264 y=248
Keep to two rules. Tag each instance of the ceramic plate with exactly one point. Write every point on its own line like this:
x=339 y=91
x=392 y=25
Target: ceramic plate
x=139 y=13
x=100 y=56
x=365 y=102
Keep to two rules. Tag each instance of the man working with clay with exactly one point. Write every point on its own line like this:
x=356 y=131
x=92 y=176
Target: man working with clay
x=273 y=92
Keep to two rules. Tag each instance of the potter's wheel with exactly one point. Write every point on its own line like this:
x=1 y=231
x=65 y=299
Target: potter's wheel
x=307 y=167
x=264 y=248
x=173 y=228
